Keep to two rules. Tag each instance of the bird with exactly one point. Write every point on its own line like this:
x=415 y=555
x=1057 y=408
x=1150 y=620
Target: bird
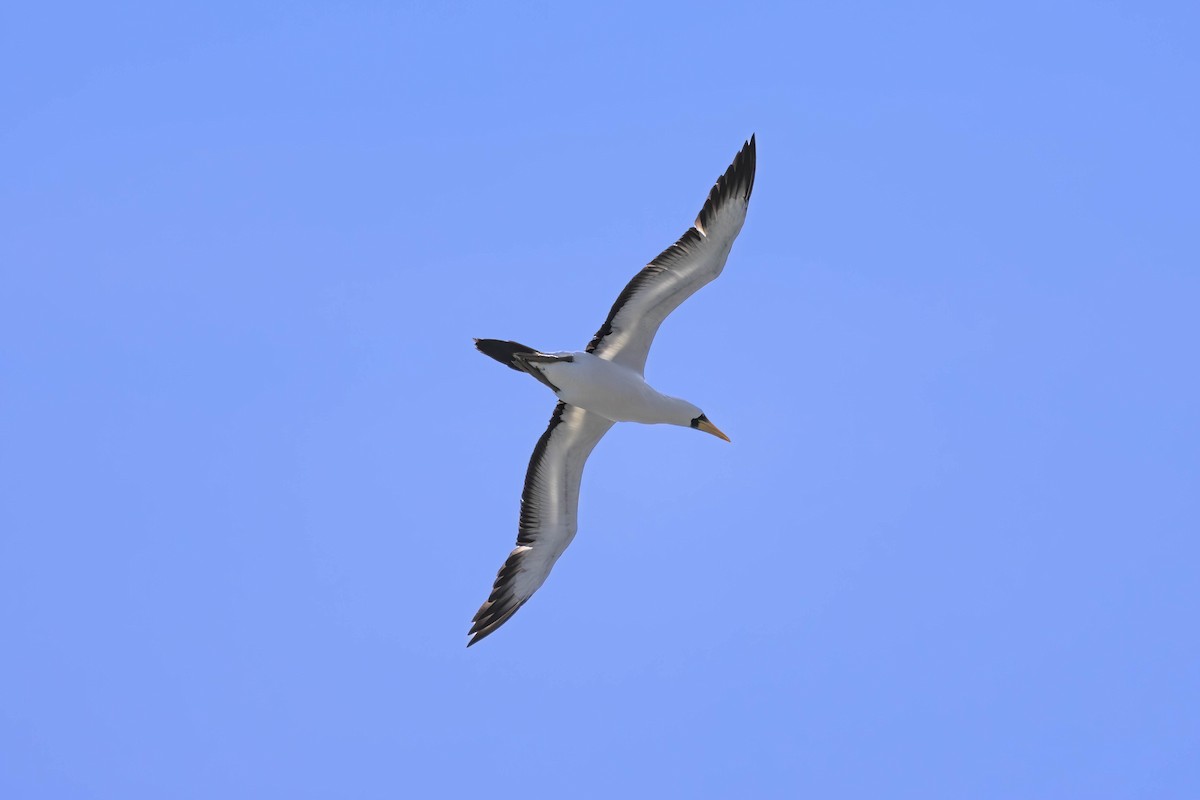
x=605 y=384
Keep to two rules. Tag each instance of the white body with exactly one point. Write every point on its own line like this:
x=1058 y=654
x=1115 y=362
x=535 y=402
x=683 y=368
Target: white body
x=614 y=391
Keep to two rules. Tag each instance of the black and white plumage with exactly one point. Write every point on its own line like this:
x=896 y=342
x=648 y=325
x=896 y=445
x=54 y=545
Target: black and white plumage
x=605 y=384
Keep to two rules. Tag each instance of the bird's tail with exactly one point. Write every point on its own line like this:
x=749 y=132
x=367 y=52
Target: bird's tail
x=503 y=351
x=521 y=358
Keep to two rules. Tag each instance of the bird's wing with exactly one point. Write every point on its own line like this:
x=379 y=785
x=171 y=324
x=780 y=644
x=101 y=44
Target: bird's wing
x=549 y=513
x=681 y=269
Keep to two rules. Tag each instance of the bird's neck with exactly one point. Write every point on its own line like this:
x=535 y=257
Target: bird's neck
x=671 y=410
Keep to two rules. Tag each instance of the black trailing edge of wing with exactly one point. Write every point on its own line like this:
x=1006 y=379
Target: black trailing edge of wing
x=529 y=502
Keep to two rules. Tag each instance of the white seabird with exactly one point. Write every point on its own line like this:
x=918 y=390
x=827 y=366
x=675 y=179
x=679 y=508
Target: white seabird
x=603 y=385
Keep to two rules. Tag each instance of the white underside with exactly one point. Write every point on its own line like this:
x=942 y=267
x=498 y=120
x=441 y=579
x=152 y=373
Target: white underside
x=614 y=391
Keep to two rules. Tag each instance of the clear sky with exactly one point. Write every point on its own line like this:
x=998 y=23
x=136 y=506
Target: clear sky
x=255 y=480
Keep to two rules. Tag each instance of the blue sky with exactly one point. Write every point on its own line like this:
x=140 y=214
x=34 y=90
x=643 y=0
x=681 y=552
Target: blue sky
x=256 y=481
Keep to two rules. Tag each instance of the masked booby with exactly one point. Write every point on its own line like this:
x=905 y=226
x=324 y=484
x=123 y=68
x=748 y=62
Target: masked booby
x=603 y=385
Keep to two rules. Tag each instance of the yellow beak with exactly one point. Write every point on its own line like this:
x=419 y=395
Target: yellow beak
x=708 y=427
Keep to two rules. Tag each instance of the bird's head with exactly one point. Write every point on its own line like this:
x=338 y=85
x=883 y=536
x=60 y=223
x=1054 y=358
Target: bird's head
x=680 y=412
x=701 y=423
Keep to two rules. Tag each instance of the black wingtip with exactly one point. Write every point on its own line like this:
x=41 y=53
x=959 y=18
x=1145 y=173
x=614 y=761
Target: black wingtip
x=737 y=182
x=742 y=173
x=493 y=613
x=483 y=634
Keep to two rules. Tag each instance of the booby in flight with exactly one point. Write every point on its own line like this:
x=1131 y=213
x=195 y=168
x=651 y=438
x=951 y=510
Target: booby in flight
x=603 y=385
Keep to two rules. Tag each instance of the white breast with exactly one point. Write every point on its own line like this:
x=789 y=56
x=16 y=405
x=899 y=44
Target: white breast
x=611 y=390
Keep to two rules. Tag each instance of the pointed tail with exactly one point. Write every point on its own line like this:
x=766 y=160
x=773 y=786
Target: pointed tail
x=503 y=351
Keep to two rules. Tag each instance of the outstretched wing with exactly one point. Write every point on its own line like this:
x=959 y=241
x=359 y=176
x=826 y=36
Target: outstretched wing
x=681 y=269
x=549 y=513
